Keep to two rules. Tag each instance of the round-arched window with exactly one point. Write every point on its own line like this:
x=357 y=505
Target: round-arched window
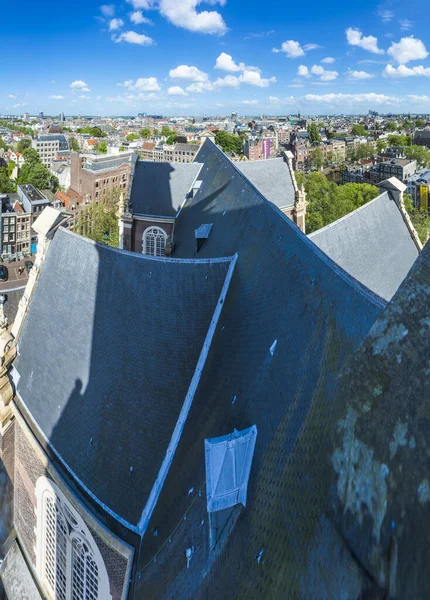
x=154 y=241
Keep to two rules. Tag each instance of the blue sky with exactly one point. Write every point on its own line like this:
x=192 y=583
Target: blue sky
x=189 y=57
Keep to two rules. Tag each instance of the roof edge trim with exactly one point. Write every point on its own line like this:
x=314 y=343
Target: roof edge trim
x=183 y=415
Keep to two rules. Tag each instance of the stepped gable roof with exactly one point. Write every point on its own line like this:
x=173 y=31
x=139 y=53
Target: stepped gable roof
x=283 y=289
x=373 y=244
x=272 y=178
x=159 y=189
x=106 y=356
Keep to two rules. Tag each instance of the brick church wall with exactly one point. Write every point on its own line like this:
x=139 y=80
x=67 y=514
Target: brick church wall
x=28 y=468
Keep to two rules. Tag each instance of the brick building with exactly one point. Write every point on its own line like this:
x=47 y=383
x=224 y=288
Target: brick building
x=99 y=178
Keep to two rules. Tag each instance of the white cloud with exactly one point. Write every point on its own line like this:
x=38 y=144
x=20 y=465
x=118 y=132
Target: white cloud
x=369 y=43
x=115 y=24
x=183 y=13
x=385 y=14
x=176 y=90
x=323 y=74
x=405 y=24
x=419 y=99
x=187 y=73
x=108 y=10
x=79 y=86
x=145 y=4
x=359 y=75
x=249 y=102
x=260 y=34
x=131 y=37
x=288 y=101
x=308 y=47
x=229 y=81
x=291 y=48
x=52 y=81
x=303 y=71
x=254 y=78
x=13 y=96
x=225 y=62
x=328 y=60
x=409 y=48
x=200 y=87
x=143 y=84
x=84 y=97
x=403 y=71
x=56 y=97
x=137 y=18
x=341 y=99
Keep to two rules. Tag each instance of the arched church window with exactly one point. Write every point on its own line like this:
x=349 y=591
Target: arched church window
x=69 y=563
x=154 y=241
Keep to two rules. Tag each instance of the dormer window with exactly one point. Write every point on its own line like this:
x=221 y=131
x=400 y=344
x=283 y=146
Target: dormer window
x=228 y=465
x=202 y=234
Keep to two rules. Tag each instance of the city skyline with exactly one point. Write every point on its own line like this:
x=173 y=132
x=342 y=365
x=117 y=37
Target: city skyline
x=192 y=58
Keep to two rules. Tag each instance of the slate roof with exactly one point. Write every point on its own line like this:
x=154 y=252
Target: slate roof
x=107 y=351
x=159 y=189
x=372 y=243
x=283 y=288
x=272 y=178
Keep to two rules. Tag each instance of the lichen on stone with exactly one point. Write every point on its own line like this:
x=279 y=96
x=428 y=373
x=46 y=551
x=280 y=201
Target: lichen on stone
x=361 y=478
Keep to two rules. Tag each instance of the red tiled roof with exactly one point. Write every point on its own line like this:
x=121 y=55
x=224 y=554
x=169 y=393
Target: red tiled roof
x=17 y=207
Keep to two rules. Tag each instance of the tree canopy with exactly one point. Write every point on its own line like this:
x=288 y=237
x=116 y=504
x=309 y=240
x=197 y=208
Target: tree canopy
x=229 y=142
x=419 y=153
x=6 y=186
x=101 y=148
x=99 y=223
x=145 y=133
x=93 y=131
x=399 y=140
x=74 y=144
x=132 y=136
x=23 y=144
x=314 y=134
x=328 y=201
x=359 y=129
x=317 y=158
x=391 y=126
x=35 y=172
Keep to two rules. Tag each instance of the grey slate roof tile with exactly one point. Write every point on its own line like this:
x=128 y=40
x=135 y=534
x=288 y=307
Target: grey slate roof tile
x=373 y=244
x=106 y=355
x=272 y=178
x=160 y=189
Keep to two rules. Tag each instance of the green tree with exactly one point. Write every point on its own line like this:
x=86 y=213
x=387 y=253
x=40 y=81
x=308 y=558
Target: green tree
x=74 y=144
x=328 y=201
x=391 y=126
x=101 y=148
x=10 y=167
x=155 y=132
x=420 y=123
x=99 y=223
x=359 y=129
x=145 y=133
x=6 y=186
x=317 y=158
x=229 y=142
x=399 y=140
x=364 y=151
x=23 y=145
x=166 y=132
x=131 y=137
x=420 y=219
x=419 y=153
x=380 y=146
x=35 y=172
x=171 y=139
x=93 y=131
x=314 y=134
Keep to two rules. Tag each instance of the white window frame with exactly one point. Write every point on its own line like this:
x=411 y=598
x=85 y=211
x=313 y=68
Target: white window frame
x=159 y=235
x=78 y=531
